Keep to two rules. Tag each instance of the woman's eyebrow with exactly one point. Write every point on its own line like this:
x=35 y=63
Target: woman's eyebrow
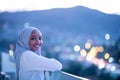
x=35 y=36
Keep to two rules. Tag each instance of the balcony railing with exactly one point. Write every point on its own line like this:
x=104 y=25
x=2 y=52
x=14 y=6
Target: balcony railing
x=60 y=75
x=10 y=74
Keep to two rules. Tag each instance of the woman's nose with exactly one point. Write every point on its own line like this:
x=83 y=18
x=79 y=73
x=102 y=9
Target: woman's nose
x=37 y=41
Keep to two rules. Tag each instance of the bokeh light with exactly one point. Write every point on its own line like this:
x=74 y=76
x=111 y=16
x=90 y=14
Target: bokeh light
x=113 y=68
x=107 y=36
x=111 y=59
x=101 y=64
x=83 y=52
x=76 y=48
x=101 y=49
x=107 y=55
x=11 y=52
x=88 y=45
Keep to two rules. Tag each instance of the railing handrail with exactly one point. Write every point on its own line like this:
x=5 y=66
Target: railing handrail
x=74 y=76
x=61 y=75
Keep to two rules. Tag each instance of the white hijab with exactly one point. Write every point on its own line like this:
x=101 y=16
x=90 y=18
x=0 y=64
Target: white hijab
x=22 y=45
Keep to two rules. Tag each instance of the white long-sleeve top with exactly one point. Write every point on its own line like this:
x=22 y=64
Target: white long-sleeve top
x=32 y=66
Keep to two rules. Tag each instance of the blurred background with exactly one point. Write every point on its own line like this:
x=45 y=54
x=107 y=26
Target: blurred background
x=86 y=40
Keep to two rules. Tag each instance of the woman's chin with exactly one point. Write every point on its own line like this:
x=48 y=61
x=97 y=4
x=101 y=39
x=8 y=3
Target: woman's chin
x=35 y=49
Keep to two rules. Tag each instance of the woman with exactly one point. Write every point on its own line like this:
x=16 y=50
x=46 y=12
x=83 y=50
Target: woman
x=30 y=65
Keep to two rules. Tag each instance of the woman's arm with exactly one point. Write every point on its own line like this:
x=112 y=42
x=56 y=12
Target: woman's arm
x=35 y=62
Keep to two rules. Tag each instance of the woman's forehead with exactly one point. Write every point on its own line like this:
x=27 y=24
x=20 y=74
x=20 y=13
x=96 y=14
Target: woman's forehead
x=36 y=33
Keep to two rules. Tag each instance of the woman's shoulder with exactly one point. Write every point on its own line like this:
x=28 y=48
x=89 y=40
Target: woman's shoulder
x=28 y=53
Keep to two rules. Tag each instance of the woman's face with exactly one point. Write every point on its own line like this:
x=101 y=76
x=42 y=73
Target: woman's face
x=35 y=40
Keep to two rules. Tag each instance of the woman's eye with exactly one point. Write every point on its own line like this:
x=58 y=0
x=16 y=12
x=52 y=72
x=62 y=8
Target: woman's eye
x=32 y=38
x=40 y=38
